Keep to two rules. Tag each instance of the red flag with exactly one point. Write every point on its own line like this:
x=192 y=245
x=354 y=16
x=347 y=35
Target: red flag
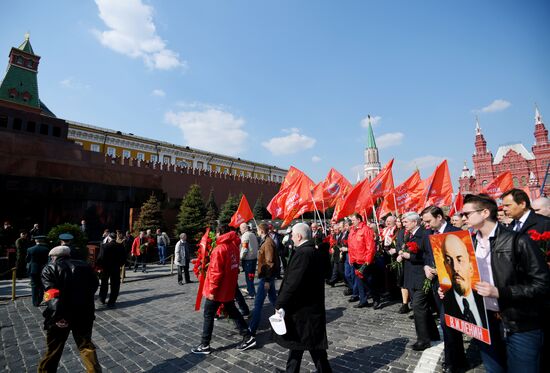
x=407 y=196
x=326 y=193
x=382 y=184
x=242 y=215
x=438 y=189
x=457 y=204
x=499 y=185
x=276 y=205
x=358 y=199
x=299 y=193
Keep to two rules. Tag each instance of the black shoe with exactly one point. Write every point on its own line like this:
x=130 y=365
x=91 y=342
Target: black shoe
x=377 y=305
x=353 y=299
x=404 y=308
x=348 y=291
x=180 y=283
x=411 y=316
x=102 y=301
x=248 y=342
x=363 y=305
x=189 y=282
x=202 y=350
x=421 y=346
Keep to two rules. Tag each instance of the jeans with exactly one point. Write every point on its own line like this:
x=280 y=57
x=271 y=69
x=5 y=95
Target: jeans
x=259 y=302
x=516 y=352
x=241 y=302
x=349 y=276
x=162 y=253
x=210 y=309
x=249 y=267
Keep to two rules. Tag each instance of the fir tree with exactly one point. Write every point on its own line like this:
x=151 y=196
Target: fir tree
x=260 y=211
x=211 y=210
x=228 y=209
x=191 y=215
x=150 y=215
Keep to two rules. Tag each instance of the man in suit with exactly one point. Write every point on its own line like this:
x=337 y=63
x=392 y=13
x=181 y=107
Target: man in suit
x=413 y=268
x=461 y=301
x=37 y=258
x=517 y=206
x=435 y=223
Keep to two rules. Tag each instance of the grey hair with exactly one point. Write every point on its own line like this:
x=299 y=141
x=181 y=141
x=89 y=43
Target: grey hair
x=182 y=236
x=303 y=229
x=411 y=215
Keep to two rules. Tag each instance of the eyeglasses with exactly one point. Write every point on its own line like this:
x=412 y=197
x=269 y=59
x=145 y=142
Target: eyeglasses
x=466 y=214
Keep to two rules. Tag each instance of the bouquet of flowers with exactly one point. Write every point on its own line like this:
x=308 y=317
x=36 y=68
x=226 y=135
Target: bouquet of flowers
x=408 y=247
x=542 y=240
x=360 y=272
x=143 y=248
x=200 y=263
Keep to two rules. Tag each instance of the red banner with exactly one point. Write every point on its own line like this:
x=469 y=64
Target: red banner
x=242 y=215
x=439 y=187
x=499 y=185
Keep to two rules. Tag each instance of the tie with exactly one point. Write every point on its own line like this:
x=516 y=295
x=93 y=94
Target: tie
x=518 y=226
x=468 y=315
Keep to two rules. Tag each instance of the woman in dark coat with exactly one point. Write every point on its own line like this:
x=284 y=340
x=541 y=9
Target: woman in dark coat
x=302 y=297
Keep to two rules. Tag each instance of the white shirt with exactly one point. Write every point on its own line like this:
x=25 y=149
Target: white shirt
x=483 y=257
x=473 y=306
x=442 y=228
x=249 y=246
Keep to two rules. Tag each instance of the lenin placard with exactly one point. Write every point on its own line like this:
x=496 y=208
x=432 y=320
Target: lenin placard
x=458 y=272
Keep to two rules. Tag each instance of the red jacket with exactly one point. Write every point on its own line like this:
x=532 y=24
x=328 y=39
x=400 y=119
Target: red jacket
x=223 y=270
x=361 y=247
x=135 y=247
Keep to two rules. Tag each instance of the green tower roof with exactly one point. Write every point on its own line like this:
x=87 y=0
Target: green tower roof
x=371 y=143
x=20 y=84
x=26 y=45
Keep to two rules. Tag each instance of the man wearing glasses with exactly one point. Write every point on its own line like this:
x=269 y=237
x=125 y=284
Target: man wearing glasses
x=514 y=283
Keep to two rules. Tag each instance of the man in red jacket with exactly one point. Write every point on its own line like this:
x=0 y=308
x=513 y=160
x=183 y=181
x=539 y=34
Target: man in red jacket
x=219 y=288
x=361 y=251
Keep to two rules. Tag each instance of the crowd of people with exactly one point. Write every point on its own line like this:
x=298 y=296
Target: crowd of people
x=377 y=262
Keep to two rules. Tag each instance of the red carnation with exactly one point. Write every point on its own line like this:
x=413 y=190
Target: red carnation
x=251 y=276
x=545 y=236
x=535 y=236
x=412 y=247
x=359 y=274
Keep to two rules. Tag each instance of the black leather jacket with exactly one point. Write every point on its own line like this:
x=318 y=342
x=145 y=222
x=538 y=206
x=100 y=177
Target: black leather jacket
x=522 y=278
x=77 y=284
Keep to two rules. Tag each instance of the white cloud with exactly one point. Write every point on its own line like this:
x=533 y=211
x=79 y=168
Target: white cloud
x=210 y=129
x=72 y=83
x=158 y=93
x=315 y=159
x=293 y=143
x=496 y=105
x=291 y=130
x=375 y=120
x=389 y=139
x=427 y=161
x=131 y=32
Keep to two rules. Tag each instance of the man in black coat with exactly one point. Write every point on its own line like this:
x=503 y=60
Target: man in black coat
x=302 y=297
x=111 y=257
x=37 y=258
x=413 y=268
x=435 y=223
x=70 y=287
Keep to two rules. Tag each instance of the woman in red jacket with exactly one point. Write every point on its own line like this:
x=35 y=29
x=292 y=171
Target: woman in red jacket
x=219 y=288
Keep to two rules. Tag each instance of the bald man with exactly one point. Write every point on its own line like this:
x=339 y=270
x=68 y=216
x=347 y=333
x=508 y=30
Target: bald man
x=541 y=206
x=461 y=301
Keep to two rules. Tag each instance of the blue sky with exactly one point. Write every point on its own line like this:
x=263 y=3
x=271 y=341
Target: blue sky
x=291 y=82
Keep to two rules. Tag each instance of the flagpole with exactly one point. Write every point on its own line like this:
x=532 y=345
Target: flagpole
x=395 y=204
x=315 y=207
x=324 y=216
x=375 y=218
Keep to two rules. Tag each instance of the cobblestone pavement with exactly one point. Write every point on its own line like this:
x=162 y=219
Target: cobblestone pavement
x=154 y=327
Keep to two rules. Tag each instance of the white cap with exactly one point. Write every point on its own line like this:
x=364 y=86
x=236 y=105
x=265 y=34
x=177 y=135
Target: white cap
x=60 y=251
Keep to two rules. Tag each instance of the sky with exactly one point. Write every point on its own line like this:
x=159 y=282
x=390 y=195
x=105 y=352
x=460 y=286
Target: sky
x=290 y=83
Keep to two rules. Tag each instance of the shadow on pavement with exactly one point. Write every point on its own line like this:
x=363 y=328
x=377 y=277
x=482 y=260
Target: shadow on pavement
x=130 y=303
x=370 y=359
x=334 y=314
x=181 y=364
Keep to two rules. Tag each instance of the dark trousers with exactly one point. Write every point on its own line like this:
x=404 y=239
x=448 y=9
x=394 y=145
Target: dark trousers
x=210 y=309
x=55 y=342
x=426 y=330
x=452 y=338
x=319 y=357
x=140 y=259
x=37 y=289
x=112 y=276
x=185 y=270
x=241 y=302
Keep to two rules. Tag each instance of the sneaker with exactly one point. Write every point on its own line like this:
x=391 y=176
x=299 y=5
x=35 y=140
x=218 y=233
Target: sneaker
x=248 y=342
x=202 y=350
